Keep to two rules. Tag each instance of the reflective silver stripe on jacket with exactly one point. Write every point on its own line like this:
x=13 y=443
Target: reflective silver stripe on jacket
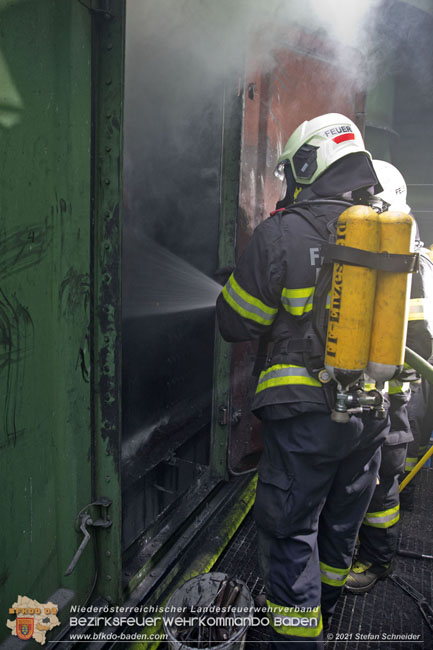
x=285 y=374
x=300 y=301
x=297 y=301
x=247 y=305
x=416 y=309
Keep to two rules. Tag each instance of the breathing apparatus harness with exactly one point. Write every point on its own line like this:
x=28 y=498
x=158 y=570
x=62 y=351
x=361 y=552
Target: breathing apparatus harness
x=311 y=346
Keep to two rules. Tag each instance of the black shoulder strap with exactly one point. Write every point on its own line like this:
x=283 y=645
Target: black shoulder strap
x=319 y=226
x=393 y=262
x=324 y=280
x=319 y=313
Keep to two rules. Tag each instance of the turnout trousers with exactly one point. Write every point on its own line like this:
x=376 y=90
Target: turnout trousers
x=420 y=410
x=316 y=479
x=378 y=535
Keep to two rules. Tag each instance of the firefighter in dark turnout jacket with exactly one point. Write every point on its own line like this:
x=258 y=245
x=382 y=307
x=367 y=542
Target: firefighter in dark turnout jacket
x=420 y=408
x=420 y=411
x=378 y=535
x=316 y=477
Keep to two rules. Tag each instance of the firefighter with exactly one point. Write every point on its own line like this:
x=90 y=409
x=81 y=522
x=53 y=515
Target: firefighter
x=316 y=476
x=420 y=407
x=378 y=535
x=420 y=411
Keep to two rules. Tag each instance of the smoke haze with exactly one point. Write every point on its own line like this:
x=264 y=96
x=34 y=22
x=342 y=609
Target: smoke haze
x=181 y=55
x=218 y=33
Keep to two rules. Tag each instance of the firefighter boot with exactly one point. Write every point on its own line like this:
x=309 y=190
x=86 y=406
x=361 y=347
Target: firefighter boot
x=364 y=575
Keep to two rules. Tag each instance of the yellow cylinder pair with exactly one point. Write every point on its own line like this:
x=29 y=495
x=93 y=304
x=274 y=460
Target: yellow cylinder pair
x=352 y=298
x=391 y=310
x=369 y=308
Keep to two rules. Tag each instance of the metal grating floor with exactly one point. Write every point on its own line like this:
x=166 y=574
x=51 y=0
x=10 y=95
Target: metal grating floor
x=362 y=622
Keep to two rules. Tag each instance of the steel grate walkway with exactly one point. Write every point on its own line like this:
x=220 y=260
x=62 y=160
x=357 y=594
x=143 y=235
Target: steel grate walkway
x=361 y=622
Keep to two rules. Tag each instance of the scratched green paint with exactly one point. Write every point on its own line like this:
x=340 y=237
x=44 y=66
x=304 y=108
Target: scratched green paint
x=109 y=83
x=45 y=101
x=226 y=258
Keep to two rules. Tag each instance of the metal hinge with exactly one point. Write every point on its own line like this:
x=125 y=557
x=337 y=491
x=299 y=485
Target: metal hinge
x=223 y=415
x=98 y=7
x=94 y=514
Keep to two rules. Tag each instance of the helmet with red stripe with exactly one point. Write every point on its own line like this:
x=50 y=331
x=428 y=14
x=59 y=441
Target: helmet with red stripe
x=318 y=143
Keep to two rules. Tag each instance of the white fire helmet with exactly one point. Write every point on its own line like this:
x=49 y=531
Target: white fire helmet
x=318 y=143
x=394 y=186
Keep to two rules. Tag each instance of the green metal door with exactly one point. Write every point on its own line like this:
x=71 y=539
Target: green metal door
x=45 y=308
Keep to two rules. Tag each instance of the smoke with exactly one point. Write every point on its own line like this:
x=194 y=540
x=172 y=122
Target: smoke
x=345 y=22
x=401 y=45
x=218 y=34
x=180 y=54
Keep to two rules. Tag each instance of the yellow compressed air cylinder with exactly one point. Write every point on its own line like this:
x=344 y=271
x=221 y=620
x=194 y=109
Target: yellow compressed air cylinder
x=391 y=309
x=352 y=298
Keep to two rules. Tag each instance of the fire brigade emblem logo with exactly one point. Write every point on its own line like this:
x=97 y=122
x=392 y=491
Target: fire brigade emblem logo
x=33 y=619
x=25 y=627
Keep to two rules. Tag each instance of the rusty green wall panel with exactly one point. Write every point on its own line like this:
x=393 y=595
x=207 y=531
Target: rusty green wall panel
x=108 y=71
x=45 y=136
x=222 y=410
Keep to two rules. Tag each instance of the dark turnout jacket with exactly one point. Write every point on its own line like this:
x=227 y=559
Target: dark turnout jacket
x=271 y=293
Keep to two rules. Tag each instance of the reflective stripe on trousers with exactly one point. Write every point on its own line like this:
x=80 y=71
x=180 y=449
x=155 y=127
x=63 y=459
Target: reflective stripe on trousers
x=332 y=575
x=383 y=519
x=410 y=463
x=293 y=622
